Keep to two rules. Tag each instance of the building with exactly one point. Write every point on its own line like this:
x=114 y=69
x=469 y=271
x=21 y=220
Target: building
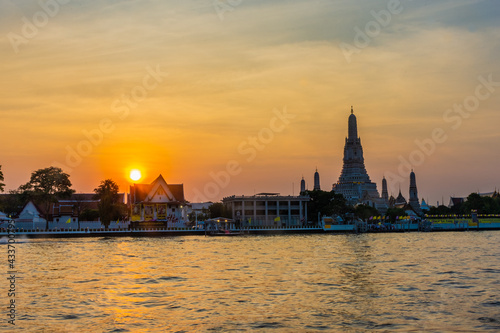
x=412 y=204
x=354 y=183
x=424 y=206
x=31 y=217
x=317 y=186
x=414 y=194
x=68 y=213
x=197 y=209
x=400 y=201
x=385 y=193
x=72 y=208
x=302 y=185
x=457 y=201
x=268 y=209
x=158 y=201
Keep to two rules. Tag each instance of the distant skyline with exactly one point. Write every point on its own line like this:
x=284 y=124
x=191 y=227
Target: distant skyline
x=248 y=96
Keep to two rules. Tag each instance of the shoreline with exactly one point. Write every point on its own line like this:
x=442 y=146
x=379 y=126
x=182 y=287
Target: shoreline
x=153 y=232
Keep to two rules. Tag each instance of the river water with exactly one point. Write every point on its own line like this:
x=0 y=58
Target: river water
x=434 y=282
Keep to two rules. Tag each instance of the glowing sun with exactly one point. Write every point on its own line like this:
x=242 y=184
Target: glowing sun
x=135 y=175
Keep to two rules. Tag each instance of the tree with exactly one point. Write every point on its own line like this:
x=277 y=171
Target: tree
x=193 y=217
x=440 y=210
x=217 y=209
x=45 y=187
x=1 y=180
x=393 y=212
x=483 y=205
x=12 y=203
x=474 y=202
x=325 y=203
x=81 y=204
x=89 y=215
x=109 y=206
x=365 y=211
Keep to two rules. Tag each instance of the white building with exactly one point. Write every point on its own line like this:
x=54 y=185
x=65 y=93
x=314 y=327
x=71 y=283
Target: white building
x=31 y=217
x=268 y=209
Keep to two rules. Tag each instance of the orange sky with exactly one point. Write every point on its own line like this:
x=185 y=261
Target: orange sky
x=179 y=89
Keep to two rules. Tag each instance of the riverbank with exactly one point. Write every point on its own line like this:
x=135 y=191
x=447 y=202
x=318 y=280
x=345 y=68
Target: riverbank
x=167 y=232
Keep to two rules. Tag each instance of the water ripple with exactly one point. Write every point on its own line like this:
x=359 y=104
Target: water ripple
x=306 y=283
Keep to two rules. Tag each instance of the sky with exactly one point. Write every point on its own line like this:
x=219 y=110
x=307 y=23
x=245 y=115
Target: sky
x=239 y=97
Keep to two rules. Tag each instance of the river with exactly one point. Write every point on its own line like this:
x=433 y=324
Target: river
x=434 y=282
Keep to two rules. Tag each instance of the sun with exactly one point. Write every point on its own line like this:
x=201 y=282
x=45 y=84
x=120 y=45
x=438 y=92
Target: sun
x=135 y=175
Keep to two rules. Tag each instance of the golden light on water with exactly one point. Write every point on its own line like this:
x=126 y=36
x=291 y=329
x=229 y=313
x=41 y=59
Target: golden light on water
x=135 y=174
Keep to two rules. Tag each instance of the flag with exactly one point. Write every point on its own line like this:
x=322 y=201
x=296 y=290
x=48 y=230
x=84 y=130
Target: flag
x=69 y=220
x=371 y=218
x=277 y=219
x=249 y=221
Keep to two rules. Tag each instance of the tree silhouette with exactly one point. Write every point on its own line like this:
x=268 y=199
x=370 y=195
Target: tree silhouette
x=45 y=187
x=109 y=206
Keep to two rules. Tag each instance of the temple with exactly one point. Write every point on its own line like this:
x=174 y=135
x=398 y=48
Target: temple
x=385 y=193
x=414 y=194
x=157 y=201
x=317 y=186
x=354 y=183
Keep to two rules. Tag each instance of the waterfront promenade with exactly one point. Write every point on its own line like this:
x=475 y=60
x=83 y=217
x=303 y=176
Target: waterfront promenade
x=432 y=226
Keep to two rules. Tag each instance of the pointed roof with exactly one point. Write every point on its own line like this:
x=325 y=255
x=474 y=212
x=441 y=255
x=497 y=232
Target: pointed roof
x=158 y=188
x=31 y=206
x=424 y=205
x=352 y=127
x=400 y=199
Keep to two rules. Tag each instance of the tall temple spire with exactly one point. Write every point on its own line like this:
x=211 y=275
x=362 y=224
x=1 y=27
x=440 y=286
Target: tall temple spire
x=414 y=194
x=316 y=180
x=302 y=185
x=353 y=127
x=385 y=193
x=413 y=186
x=354 y=183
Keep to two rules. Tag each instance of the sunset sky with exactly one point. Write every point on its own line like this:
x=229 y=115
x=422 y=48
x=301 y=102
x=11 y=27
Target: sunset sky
x=183 y=88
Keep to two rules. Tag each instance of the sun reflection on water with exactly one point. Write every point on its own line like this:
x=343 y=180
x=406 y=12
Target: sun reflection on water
x=300 y=282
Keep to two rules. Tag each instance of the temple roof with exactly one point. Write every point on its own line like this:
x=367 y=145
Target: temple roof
x=400 y=199
x=353 y=127
x=141 y=192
